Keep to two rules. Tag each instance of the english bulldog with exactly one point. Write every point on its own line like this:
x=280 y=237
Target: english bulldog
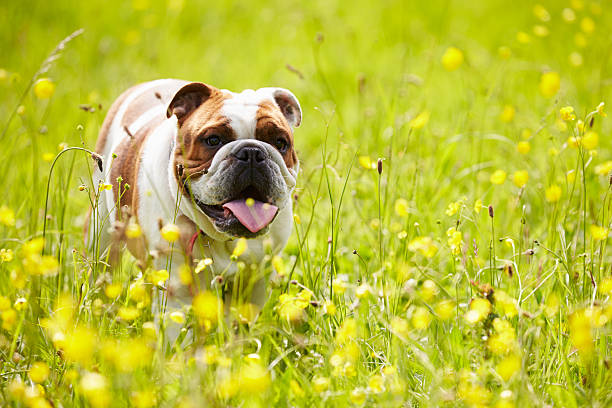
x=220 y=165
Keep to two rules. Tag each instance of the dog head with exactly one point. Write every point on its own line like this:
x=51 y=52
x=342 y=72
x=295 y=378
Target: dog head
x=234 y=158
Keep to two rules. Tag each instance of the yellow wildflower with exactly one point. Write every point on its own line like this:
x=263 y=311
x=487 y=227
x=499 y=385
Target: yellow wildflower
x=498 y=177
x=177 y=317
x=599 y=233
x=540 y=12
x=320 y=384
x=575 y=59
x=570 y=176
x=358 y=396
x=553 y=193
x=520 y=178
x=44 y=88
x=604 y=169
x=478 y=206
x=452 y=58
x=523 y=38
x=587 y=25
x=133 y=230
x=590 y=140
x=454 y=240
x=240 y=248
x=600 y=109
x=605 y=287
x=424 y=245
x=9 y=318
x=94 y=387
x=39 y=372
x=421 y=318
x=523 y=147
x=207 y=308
x=420 y=120
x=366 y=162
x=567 y=113
x=507 y=113
x=7 y=216
x=445 y=309
x=509 y=366
x=549 y=84
x=253 y=378
x=347 y=331
x=128 y=313
x=401 y=207
x=170 y=232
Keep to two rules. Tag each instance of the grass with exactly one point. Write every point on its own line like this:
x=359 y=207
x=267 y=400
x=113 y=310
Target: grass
x=447 y=279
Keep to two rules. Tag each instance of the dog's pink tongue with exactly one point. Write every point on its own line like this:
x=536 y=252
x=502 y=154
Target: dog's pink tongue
x=254 y=217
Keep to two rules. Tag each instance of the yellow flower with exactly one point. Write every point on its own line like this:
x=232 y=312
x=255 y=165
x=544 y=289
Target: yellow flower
x=428 y=290
x=7 y=216
x=366 y=162
x=48 y=157
x=170 y=232
x=599 y=233
x=567 y=113
x=478 y=206
x=454 y=240
x=605 y=287
x=6 y=255
x=253 y=379
x=9 y=318
x=320 y=384
x=581 y=334
x=296 y=389
x=358 y=396
x=540 y=30
x=453 y=208
x=240 y=247
x=207 y=308
x=39 y=372
x=523 y=147
x=113 y=290
x=506 y=303
x=590 y=140
x=540 y=12
x=347 y=331
x=376 y=384
x=177 y=317
x=549 y=84
x=600 y=109
x=424 y=245
x=479 y=310
x=498 y=177
x=604 y=169
x=401 y=207
x=128 y=313
x=202 y=264
x=399 y=326
x=520 y=178
x=420 y=120
x=452 y=58
x=133 y=230
x=421 y=318
x=94 y=387
x=523 y=38
x=553 y=193
x=568 y=15
x=587 y=25
x=80 y=345
x=44 y=88
x=509 y=366
x=570 y=176
x=279 y=265
x=445 y=309
x=158 y=277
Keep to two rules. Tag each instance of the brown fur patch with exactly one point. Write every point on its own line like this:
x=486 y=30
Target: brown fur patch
x=127 y=164
x=110 y=116
x=271 y=124
x=191 y=151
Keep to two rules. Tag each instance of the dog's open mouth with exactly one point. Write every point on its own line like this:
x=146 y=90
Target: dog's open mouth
x=249 y=208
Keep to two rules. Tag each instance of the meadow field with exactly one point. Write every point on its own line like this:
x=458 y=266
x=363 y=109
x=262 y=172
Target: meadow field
x=450 y=244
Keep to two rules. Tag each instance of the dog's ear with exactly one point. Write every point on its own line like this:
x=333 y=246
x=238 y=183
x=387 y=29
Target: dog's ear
x=288 y=104
x=187 y=99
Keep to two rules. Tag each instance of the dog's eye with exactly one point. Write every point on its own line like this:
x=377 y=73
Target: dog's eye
x=213 y=140
x=281 y=144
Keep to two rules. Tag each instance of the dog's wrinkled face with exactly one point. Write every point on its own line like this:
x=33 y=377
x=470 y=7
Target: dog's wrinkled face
x=234 y=155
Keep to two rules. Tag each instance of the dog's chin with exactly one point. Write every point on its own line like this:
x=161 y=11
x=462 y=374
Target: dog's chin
x=226 y=223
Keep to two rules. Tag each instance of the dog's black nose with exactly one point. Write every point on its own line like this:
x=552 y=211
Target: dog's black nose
x=250 y=154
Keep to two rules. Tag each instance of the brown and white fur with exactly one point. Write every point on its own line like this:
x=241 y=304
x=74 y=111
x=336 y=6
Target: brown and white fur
x=159 y=134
